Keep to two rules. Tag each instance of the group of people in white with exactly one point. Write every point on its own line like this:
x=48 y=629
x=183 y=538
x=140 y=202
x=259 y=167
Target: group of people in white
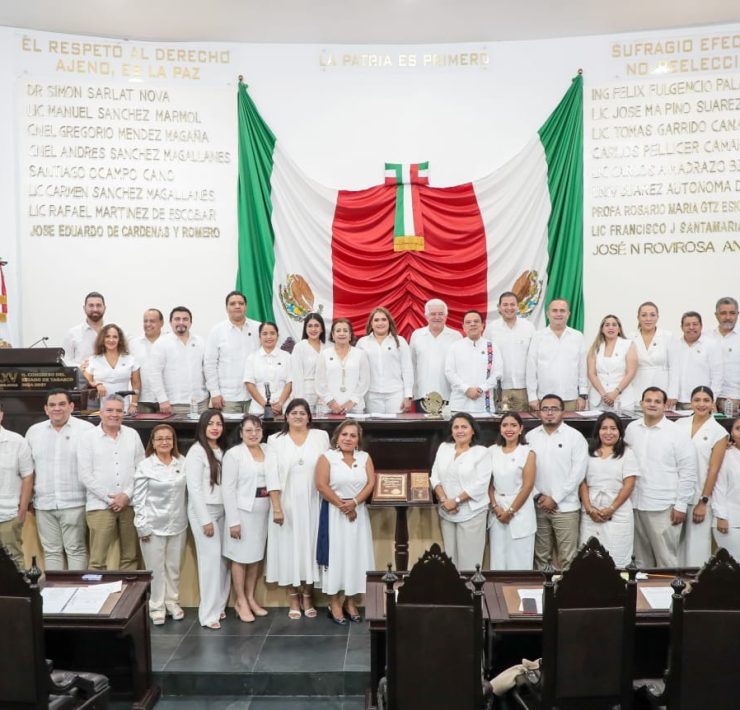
x=298 y=500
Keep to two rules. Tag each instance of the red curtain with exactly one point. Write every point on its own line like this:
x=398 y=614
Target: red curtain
x=368 y=273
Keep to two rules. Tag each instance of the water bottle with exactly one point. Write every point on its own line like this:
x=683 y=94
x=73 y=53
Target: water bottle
x=193 y=409
x=729 y=410
x=618 y=406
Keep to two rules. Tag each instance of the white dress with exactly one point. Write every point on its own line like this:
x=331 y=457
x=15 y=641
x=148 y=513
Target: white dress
x=511 y=545
x=350 y=543
x=610 y=371
x=342 y=379
x=263 y=368
x=695 y=547
x=114 y=379
x=652 y=362
x=291 y=547
x=604 y=478
x=303 y=371
x=241 y=476
x=726 y=502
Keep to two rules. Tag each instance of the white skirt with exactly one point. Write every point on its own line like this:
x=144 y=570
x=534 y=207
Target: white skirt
x=616 y=535
x=251 y=547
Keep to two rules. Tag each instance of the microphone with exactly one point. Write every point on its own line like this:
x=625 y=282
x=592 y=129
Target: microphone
x=40 y=340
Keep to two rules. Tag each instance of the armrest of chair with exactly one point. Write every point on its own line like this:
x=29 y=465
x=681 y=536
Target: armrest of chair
x=649 y=694
x=60 y=682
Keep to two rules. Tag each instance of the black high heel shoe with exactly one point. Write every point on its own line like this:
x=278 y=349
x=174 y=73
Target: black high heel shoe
x=354 y=618
x=341 y=621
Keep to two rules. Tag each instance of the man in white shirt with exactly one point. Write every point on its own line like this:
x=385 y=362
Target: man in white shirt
x=728 y=339
x=472 y=367
x=59 y=496
x=141 y=347
x=429 y=347
x=16 y=486
x=512 y=335
x=665 y=486
x=693 y=360
x=556 y=361
x=79 y=341
x=177 y=366
x=562 y=459
x=107 y=457
x=227 y=348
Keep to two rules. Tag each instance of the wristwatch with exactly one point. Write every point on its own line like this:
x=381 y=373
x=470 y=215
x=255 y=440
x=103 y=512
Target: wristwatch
x=705 y=499
x=457 y=500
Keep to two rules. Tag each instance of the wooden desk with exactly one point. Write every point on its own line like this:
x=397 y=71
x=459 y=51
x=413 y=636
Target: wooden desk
x=516 y=635
x=116 y=644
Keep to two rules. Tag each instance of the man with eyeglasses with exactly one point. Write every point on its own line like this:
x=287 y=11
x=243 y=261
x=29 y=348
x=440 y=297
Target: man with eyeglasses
x=726 y=336
x=562 y=459
x=107 y=458
x=665 y=486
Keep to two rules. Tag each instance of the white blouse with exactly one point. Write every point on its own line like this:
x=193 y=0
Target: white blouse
x=391 y=369
x=703 y=442
x=268 y=368
x=303 y=361
x=200 y=492
x=114 y=379
x=159 y=497
x=343 y=380
x=652 y=362
x=726 y=493
x=242 y=476
x=470 y=472
x=508 y=470
x=611 y=370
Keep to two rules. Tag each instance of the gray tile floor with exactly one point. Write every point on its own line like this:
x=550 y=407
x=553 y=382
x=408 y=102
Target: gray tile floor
x=271 y=644
x=261 y=703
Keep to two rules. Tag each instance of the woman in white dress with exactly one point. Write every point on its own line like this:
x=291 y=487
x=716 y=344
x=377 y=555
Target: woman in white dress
x=342 y=372
x=160 y=520
x=460 y=478
x=391 y=370
x=267 y=366
x=514 y=522
x=652 y=350
x=726 y=497
x=206 y=516
x=345 y=478
x=611 y=363
x=111 y=368
x=291 y=547
x=304 y=356
x=606 y=490
x=249 y=482
x=709 y=438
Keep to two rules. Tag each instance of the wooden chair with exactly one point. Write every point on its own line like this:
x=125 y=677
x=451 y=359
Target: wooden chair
x=434 y=638
x=705 y=632
x=27 y=679
x=588 y=626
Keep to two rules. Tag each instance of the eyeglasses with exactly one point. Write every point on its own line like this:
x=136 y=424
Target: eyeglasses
x=550 y=409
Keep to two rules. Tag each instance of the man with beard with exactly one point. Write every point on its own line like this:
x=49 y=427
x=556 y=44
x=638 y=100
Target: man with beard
x=177 y=366
x=79 y=341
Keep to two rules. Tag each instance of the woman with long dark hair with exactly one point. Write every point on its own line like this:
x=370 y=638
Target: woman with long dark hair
x=606 y=490
x=206 y=516
x=304 y=357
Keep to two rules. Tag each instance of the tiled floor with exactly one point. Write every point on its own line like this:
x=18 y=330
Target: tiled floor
x=274 y=656
x=254 y=703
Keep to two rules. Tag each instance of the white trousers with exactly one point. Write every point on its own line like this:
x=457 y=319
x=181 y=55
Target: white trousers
x=656 y=539
x=464 y=542
x=507 y=552
x=730 y=541
x=60 y=532
x=163 y=555
x=696 y=545
x=214 y=570
x=377 y=403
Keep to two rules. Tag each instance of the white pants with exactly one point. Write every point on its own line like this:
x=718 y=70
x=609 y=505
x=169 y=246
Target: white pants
x=730 y=541
x=696 y=544
x=656 y=539
x=214 y=570
x=464 y=542
x=377 y=403
x=162 y=555
x=510 y=553
x=60 y=532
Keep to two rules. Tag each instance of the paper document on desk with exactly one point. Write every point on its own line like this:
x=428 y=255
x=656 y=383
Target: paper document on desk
x=658 y=597
x=78 y=600
x=56 y=598
x=535 y=594
x=590 y=413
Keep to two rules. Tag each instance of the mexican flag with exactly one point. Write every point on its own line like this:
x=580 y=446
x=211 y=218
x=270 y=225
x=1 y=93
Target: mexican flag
x=306 y=247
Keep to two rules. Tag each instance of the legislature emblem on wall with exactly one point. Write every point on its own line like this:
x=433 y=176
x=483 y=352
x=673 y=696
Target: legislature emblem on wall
x=297 y=297
x=528 y=290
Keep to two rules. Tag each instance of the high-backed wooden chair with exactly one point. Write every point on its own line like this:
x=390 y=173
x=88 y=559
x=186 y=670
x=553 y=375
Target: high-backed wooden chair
x=703 y=670
x=26 y=677
x=588 y=624
x=434 y=638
